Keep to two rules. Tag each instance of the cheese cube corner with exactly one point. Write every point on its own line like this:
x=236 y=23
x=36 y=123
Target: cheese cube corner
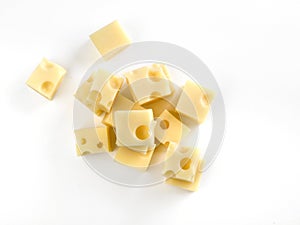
x=95 y=140
x=46 y=78
x=194 y=102
x=109 y=38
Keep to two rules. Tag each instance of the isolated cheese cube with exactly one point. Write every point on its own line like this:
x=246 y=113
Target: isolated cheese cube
x=82 y=96
x=109 y=38
x=148 y=83
x=134 y=128
x=181 y=163
x=169 y=129
x=104 y=90
x=120 y=103
x=194 y=102
x=46 y=78
x=189 y=186
x=95 y=140
x=132 y=158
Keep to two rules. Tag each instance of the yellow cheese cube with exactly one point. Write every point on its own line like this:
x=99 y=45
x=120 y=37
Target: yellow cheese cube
x=181 y=164
x=148 y=83
x=109 y=38
x=194 y=101
x=82 y=96
x=46 y=78
x=159 y=154
x=104 y=90
x=134 y=128
x=132 y=158
x=189 y=186
x=120 y=103
x=169 y=129
x=95 y=140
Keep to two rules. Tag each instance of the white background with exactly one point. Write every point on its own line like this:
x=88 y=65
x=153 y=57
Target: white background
x=253 y=49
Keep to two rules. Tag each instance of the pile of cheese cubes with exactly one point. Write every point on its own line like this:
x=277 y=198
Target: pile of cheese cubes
x=144 y=126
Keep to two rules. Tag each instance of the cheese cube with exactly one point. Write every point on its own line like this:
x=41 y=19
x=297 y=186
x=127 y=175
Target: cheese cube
x=120 y=103
x=82 y=95
x=95 y=140
x=109 y=38
x=132 y=158
x=46 y=78
x=148 y=83
x=169 y=129
x=159 y=154
x=104 y=90
x=134 y=128
x=194 y=102
x=181 y=163
x=189 y=186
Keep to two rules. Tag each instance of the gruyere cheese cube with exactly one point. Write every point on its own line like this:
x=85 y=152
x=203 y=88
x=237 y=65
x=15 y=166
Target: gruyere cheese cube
x=132 y=158
x=169 y=129
x=46 y=78
x=189 y=186
x=181 y=163
x=104 y=89
x=95 y=140
x=148 y=83
x=109 y=38
x=120 y=103
x=194 y=102
x=82 y=96
x=134 y=128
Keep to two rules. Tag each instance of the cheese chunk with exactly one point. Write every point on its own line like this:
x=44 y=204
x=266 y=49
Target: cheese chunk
x=120 y=103
x=95 y=140
x=194 y=102
x=181 y=164
x=109 y=38
x=169 y=129
x=189 y=186
x=132 y=158
x=104 y=90
x=82 y=96
x=46 y=78
x=160 y=153
x=134 y=128
x=148 y=83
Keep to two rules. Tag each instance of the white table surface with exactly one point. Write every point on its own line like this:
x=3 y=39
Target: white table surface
x=253 y=49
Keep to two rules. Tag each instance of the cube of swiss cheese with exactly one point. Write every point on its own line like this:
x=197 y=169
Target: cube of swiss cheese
x=109 y=38
x=46 y=78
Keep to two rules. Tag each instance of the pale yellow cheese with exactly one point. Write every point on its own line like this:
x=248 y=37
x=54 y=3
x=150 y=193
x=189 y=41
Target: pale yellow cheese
x=132 y=158
x=194 y=101
x=159 y=154
x=46 y=78
x=120 y=103
x=149 y=83
x=182 y=163
x=104 y=90
x=169 y=129
x=95 y=140
x=82 y=96
x=109 y=38
x=134 y=128
x=189 y=186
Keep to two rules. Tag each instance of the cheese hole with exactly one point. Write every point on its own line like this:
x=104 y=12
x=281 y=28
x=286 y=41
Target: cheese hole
x=185 y=163
x=100 y=144
x=90 y=80
x=83 y=141
x=47 y=86
x=115 y=83
x=164 y=124
x=154 y=75
x=142 y=132
x=98 y=112
x=169 y=174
